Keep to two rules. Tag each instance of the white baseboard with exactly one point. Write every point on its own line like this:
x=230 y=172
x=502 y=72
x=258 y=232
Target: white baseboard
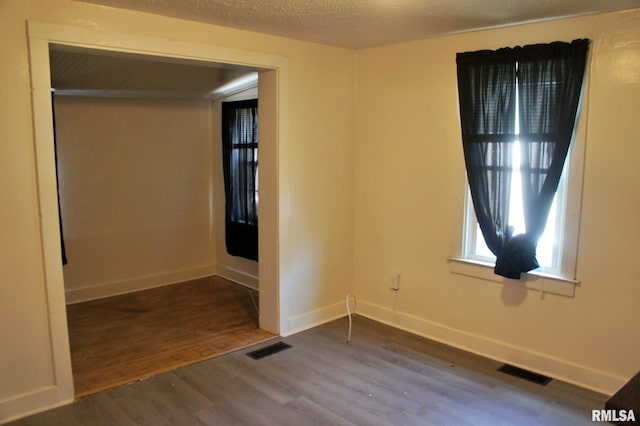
x=566 y=371
x=298 y=323
x=238 y=276
x=136 y=284
x=35 y=402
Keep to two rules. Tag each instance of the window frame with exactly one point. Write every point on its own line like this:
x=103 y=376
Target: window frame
x=251 y=192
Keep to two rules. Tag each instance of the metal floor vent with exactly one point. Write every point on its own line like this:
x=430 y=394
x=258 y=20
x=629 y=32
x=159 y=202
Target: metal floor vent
x=268 y=350
x=525 y=374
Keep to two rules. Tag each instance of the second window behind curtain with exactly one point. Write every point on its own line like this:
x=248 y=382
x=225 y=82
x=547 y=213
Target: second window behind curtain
x=240 y=164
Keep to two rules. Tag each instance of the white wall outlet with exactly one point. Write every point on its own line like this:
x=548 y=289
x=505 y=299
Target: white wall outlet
x=395 y=281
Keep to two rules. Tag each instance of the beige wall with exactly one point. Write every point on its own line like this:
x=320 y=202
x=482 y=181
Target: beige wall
x=314 y=169
x=135 y=184
x=409 y=192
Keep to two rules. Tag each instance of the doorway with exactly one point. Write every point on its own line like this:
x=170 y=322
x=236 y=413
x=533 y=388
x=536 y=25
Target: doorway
x=139 y=171
x=140 y=191
x=273 y=73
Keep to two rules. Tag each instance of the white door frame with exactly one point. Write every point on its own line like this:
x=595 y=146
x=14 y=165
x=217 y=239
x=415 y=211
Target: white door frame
x=273 y=114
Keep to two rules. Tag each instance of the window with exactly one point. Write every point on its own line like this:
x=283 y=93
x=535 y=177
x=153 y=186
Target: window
x=518 y=108
x=551 y=252
x=240 y=164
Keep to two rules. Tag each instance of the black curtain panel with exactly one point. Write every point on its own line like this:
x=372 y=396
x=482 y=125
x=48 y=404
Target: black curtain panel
x=548 y=80
x=240 y=164
x=488 y=117
x=55 y=148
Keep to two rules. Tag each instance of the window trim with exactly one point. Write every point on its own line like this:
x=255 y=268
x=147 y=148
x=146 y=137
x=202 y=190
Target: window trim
x=538 y=281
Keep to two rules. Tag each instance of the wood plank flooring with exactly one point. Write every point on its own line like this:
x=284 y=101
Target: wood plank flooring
x=120 y=339
x=382 y=377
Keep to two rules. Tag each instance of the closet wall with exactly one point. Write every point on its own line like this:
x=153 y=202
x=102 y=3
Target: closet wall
x=135 y=181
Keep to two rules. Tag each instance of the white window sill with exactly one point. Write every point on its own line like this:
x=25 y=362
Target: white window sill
x=533 y=280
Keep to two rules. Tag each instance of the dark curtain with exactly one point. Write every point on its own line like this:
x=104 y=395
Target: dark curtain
x=240 y=164
x=55 y=148
x=488 y=117
x=549 y=81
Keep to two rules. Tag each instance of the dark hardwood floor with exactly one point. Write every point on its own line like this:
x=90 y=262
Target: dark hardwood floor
x=119 y=339
x=382 y=377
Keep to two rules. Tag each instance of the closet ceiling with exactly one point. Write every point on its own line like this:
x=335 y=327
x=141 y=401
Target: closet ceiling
x=106 y=73
x=358 y=24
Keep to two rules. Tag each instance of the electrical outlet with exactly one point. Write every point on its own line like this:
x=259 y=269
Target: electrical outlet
x=395 y=281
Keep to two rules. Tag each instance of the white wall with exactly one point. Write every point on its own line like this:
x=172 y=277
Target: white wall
x=135 y=193
x=409 y=192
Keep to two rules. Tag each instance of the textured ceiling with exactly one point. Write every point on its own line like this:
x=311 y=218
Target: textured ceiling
x=351 y=24
x=360 y=24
